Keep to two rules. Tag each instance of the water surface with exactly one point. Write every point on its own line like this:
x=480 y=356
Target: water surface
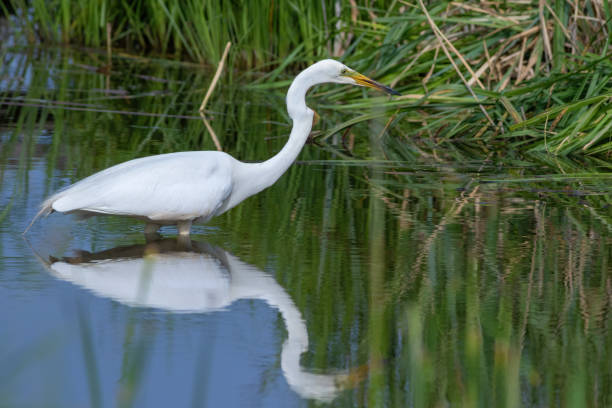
x=412 y=278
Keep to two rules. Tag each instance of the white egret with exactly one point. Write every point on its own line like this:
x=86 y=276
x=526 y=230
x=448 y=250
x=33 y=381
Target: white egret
x=186 y=187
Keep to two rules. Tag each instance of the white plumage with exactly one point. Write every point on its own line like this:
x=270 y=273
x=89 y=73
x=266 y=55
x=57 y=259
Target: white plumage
x=156 y=188
x=186 y=187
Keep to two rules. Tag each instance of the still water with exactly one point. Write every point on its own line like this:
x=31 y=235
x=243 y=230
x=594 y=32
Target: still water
x=416 y=277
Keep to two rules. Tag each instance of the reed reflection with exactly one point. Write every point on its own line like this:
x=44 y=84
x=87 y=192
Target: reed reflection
x=196 y=277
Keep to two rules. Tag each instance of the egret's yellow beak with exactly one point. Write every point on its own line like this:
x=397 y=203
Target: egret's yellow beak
x=363 y=80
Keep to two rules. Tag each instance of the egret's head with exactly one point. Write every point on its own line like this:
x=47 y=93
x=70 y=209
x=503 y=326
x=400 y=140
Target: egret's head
x=341 y=74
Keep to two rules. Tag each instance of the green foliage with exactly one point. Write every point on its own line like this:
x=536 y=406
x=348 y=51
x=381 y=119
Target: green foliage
x=444 y=268
x=261 y=30
x=536 y=76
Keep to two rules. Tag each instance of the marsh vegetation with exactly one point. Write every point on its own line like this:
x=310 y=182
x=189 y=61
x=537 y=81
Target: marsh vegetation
x=452 y=246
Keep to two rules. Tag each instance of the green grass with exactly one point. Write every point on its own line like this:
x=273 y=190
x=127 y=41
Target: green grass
x=521 y=77
x=458 y=270
x=462 y=261
x=196 y=30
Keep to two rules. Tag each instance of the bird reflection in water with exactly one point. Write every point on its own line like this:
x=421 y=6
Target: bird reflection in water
x=191 y=276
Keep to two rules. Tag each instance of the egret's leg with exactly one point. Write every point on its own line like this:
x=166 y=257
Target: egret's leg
x=151 y=229
x=184 y=243
x=184 y=227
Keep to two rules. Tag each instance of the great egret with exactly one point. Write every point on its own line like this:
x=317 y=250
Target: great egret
x=181 y=276
x=186 y=187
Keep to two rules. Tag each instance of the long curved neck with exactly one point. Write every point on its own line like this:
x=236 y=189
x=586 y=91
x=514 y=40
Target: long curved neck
x=266 y=173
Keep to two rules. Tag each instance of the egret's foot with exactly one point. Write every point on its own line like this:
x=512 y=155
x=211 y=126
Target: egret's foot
x=183 y=243
x=184 y=228
x=151 y=229
x=153 y=237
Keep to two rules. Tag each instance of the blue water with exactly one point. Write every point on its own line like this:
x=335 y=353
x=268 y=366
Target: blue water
x=440 y=279
x=63 y=345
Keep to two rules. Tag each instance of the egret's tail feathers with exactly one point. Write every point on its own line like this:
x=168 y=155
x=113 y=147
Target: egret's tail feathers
x=45 y=209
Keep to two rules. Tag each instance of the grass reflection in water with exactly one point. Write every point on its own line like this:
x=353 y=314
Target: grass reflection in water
x=453 y=278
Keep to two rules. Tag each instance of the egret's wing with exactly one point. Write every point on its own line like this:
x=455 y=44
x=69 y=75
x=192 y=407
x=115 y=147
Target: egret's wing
x=166 y=187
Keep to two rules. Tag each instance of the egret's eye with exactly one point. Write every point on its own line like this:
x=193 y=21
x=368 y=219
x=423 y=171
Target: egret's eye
x=344 y=71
